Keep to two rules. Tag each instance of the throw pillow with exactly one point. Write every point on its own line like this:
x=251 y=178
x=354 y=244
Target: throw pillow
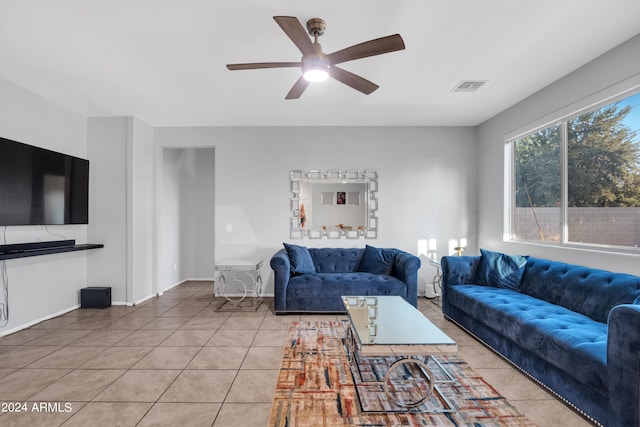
x=500 y=270
x=376 y=260
x=300 y=259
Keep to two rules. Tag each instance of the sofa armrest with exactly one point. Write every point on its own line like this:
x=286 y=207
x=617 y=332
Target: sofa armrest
x=458 y=270
x=623 y=358
x=281 y=267
x=405 y=267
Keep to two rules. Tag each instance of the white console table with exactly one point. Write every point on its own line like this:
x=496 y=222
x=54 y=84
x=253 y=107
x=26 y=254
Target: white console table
x=235 y=280
x=436 y=282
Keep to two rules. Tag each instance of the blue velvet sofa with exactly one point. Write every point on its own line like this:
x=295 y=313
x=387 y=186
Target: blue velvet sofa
x=573 y=329
x=316 y=283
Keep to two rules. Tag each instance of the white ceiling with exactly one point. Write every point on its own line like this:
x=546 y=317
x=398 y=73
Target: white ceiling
x=163 y=61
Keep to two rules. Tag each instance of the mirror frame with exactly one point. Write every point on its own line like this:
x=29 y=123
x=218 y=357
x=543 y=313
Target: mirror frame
x=368 y=176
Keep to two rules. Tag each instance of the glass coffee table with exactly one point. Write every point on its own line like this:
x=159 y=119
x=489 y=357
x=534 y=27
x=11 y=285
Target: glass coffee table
x=390 y=344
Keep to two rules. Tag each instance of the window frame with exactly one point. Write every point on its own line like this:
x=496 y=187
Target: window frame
x=612 y=94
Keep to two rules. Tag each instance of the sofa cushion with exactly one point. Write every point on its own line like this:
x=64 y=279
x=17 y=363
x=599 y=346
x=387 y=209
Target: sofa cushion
x=376 y=260
x=571 y=341
x=300 y=259
x=336 y=260
x=500 y=270
x=588 y=291
x=322 y=291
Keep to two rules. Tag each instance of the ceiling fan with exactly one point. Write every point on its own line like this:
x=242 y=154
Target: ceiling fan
x=318 y=66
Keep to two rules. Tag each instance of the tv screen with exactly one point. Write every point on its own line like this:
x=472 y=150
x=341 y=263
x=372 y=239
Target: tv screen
x=42 y=187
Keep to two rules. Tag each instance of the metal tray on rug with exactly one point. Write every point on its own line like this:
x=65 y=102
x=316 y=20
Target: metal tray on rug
x=373 y=398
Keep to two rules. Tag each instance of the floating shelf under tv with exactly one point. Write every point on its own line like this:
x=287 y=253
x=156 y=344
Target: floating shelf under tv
x=24 y=250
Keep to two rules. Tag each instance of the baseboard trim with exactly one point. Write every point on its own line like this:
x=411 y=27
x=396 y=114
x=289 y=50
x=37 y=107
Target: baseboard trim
x=35 y=322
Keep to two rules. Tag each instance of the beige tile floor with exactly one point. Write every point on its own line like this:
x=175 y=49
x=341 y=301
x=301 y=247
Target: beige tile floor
x=174 y=360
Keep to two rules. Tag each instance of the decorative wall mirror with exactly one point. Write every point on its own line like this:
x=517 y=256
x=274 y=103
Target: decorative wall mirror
x=334 y=204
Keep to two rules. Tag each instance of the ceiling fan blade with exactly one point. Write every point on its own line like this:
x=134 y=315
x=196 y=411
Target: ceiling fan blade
x=256 y=65
x=296 y=32
x=371 y=48
x=297 y=89
x=352 y=80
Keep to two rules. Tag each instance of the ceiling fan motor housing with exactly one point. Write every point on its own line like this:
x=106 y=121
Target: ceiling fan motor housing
x=315 y=67
x=316 y=26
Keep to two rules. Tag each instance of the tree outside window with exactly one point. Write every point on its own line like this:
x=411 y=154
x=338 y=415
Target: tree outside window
x=602 y=203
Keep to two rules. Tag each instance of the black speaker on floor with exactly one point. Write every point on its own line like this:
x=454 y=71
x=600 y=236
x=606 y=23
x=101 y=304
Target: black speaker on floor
x=95 y=297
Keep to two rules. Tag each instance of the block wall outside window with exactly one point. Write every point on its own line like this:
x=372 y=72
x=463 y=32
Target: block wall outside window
x=601 y=226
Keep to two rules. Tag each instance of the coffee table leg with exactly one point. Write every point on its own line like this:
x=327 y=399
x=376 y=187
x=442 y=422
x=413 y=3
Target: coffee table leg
x=420 y=367
x=399 y=364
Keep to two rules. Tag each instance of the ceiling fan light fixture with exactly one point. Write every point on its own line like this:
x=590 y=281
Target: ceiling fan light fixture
x=316 y=75
x=315 y=68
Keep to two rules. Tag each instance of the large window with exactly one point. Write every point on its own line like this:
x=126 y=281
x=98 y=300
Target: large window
x=577 y=181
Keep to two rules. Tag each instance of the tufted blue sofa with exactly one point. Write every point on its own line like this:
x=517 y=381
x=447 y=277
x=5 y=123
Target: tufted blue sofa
x=573 y=329
x=337 y=274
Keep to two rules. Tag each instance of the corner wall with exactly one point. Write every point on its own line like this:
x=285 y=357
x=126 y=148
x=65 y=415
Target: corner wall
x=611 y=68
x=107 y=138
x=122 y=209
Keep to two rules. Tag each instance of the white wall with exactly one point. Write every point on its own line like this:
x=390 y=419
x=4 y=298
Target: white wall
x=186 y=215
x=606 y=71
x=41 y=287
x=141 y=210
x=168 y=214
x=107 y=150
x=427 y=183
x=122 y=206
x=197 y=247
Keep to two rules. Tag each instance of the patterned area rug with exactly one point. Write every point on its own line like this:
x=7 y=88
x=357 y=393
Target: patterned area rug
x=315 y=388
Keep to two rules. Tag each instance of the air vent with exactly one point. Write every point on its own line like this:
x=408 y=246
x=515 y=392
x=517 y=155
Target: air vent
x=469 y=85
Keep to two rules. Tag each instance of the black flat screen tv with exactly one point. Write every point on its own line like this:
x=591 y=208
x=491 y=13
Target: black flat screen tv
x=42 y=187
